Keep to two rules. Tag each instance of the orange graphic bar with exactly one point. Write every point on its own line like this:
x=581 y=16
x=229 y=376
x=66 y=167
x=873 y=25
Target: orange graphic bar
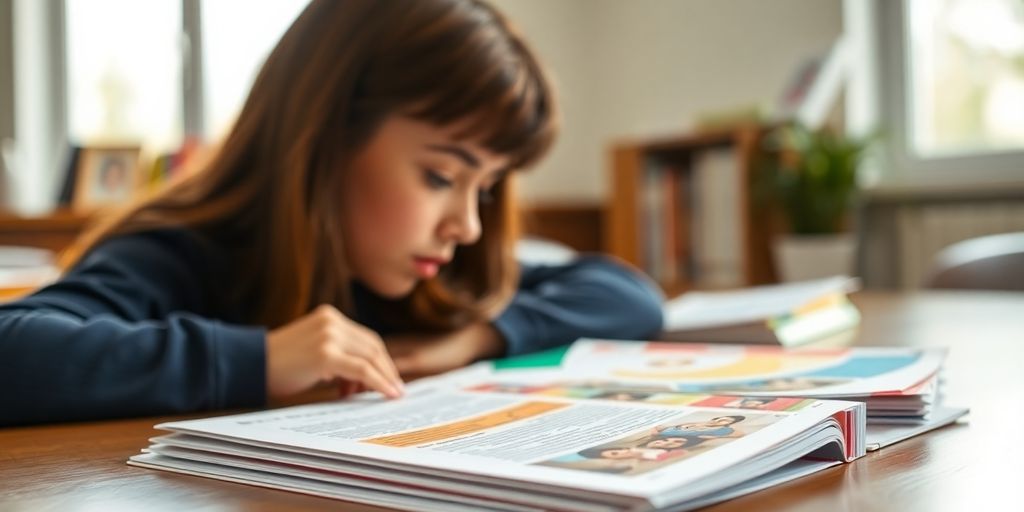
x=468 y=426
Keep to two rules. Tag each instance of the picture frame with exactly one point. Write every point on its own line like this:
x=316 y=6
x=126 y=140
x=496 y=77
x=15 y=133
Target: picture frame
x=105 y=177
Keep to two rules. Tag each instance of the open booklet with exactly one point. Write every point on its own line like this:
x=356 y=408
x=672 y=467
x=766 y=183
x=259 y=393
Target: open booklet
x=459 y=442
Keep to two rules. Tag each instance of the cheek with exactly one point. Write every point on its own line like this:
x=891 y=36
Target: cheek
x=389 y=217
x=398 y=218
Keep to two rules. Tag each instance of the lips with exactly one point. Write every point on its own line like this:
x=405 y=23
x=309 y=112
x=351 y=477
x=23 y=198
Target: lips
x=438 y=260
x=427 y=267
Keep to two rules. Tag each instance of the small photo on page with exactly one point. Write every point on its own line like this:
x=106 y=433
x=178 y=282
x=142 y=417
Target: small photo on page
x=664 y=444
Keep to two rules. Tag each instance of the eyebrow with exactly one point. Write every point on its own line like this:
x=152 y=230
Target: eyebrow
x=457 y=151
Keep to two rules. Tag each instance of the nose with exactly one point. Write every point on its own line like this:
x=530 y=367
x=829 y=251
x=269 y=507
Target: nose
x=462 y=222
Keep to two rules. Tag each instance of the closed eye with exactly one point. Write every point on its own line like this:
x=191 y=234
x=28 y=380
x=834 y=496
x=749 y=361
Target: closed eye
x=435 y=180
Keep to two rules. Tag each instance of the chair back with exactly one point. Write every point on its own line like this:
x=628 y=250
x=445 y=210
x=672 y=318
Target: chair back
x=994 y=262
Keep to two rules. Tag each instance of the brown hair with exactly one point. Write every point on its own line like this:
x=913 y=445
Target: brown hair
x=269 y=193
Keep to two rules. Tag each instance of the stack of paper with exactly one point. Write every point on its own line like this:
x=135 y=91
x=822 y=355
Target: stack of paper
x=445 y=447
x=786 y=314
x=898 y=385
x=25 y=269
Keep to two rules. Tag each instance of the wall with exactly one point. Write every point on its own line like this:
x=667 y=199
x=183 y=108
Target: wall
x=6 y=78
x=563 y=33
x=642 y=67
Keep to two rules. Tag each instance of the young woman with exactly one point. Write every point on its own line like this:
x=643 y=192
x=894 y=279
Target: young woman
x=353 y=229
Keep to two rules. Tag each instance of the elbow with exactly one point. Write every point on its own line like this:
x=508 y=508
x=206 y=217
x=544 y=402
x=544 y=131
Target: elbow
x=640 y=304
x=647 y=313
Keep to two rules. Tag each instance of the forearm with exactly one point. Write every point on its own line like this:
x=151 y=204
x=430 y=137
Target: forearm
x=487 y=341
x=593 y=297
x=55 y=367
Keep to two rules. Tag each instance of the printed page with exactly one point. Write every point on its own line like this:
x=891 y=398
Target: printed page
x=629 y=449
x=697 y=310
x=396 y=480
x=756 y=370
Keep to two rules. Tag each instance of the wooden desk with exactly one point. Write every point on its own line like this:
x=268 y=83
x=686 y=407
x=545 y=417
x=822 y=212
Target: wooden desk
x=961 y=467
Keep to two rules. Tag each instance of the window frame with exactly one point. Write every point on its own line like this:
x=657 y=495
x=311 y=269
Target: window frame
x=41 y=138
x=902 y=165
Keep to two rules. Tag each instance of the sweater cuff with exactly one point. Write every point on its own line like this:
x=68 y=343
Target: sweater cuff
x=241 y=378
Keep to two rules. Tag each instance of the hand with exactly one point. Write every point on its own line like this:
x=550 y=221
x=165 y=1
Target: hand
x=325 y=346
x=419 y=356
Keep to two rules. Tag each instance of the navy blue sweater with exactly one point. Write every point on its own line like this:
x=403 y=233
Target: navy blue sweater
x=134 y=329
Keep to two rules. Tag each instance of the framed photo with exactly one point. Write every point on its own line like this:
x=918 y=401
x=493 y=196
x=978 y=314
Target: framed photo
x=105 y=176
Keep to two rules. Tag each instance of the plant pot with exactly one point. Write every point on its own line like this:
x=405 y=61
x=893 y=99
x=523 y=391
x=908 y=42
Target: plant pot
x=803 y=257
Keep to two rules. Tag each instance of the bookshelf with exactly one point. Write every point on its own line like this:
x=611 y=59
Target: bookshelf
x=683 y=209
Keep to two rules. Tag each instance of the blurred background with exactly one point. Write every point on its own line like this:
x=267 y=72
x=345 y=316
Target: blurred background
x=711 y=144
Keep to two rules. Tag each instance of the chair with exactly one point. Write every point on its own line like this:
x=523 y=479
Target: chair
x=994 y=262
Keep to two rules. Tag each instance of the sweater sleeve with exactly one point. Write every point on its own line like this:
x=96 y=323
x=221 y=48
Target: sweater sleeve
x=591 y=297
x=125 y=333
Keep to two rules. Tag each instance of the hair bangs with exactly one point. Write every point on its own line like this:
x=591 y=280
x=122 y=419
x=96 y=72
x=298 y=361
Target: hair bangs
x=489 y=85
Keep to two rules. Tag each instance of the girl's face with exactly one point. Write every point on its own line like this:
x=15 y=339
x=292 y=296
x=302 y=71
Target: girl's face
x=621 y=453
x=412 y=195
x=669 y=443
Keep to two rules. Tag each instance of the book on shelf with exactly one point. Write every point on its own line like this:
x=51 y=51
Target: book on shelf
x=784 y=314
x=465 y=441
x=716 y=218
x=901 y=387
x=691 y=225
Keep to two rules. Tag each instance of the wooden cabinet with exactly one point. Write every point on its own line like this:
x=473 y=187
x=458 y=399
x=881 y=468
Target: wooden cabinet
x=667 y=201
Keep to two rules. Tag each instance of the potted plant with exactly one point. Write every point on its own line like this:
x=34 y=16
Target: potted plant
x=811 y=175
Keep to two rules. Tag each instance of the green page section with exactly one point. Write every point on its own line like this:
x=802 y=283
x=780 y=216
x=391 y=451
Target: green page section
x=544 y=359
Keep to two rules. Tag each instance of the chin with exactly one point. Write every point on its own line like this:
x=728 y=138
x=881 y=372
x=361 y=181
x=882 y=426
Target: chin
x=394 y=288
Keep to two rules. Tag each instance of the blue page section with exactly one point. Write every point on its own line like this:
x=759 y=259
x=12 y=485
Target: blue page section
x=864 y=366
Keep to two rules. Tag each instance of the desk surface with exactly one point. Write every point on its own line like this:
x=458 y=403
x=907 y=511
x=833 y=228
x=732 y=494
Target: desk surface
x=963 y=466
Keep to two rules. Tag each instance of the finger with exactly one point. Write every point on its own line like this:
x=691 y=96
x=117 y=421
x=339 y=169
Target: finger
x=362 y=370
x=383 y=363
x=379 y=359
x=369 y=346
x=392 y=370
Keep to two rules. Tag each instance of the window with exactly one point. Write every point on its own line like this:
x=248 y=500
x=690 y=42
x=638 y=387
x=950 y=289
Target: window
x=947 y=90
x=966 y=76
x=233 y=52
x=125 y=65
x=124 y=72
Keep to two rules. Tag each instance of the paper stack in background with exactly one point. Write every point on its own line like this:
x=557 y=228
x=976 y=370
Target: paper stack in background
x=786 y=314
x=25 y=269
x=899 y=386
